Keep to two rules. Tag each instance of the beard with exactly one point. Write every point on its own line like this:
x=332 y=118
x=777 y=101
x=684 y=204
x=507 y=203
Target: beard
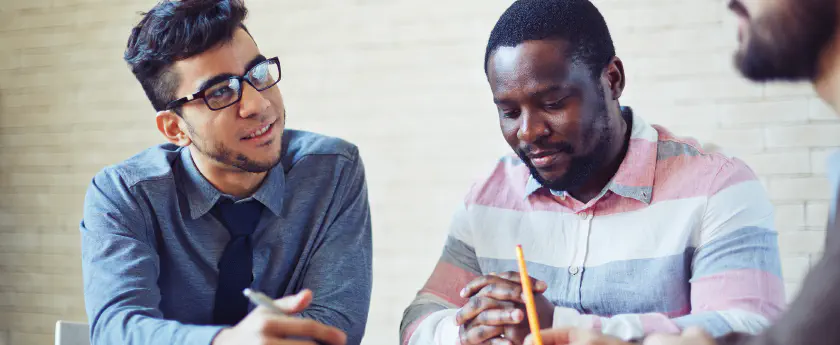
x=220 y=153
x=786 y=44
x=581 y=168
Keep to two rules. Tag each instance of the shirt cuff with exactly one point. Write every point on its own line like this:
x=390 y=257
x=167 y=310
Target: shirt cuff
x=203 y=335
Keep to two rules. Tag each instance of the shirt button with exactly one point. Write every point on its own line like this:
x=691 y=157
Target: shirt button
x=584 y=215
x=574 y=270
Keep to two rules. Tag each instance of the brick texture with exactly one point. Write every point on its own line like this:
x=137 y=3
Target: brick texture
x=403 y=80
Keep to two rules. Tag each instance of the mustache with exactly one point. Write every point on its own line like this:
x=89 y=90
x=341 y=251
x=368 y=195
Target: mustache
x=559 y=147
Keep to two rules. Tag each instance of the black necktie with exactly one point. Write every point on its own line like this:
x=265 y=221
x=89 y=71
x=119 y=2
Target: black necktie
x=237 y=260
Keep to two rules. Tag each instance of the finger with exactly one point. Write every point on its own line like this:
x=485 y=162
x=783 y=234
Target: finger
x=499 y=341
x=477 y=284
x=305 y=328
x=499 y=317
x=291 y=342
x=696 y=335
x=538 y=285
x=503 y=291
x=563 y=336
x=662 y=339
x=554 y=336
x=295 y=303
x=476 y=305
x=480 y=334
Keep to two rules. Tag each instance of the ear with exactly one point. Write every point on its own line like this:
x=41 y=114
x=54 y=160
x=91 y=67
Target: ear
x=615 y=78
x=169 y=124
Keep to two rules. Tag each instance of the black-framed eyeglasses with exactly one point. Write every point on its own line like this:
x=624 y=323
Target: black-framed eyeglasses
x=227 y=92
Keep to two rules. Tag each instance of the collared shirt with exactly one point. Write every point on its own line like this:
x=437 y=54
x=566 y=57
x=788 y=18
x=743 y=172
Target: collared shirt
x=679 y=237
x=150 y=245
x=812 y=317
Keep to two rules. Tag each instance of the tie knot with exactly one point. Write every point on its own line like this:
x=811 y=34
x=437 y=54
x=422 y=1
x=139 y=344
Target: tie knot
x=239 y=218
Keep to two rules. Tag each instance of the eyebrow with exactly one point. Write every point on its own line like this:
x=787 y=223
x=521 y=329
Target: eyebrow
x=225 y=76
x=541 y=93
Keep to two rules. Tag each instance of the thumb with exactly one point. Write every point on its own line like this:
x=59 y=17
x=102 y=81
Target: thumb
x=696 y=335
x=295 y=303
x=662 y=339
x=554 y=336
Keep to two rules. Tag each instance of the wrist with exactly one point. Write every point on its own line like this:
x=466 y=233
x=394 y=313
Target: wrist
x=547 y=321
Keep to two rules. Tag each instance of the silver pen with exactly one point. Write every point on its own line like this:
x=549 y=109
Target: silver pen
x=262 y=300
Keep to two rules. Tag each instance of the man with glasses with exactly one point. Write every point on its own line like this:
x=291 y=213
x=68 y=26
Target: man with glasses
x=172 y=236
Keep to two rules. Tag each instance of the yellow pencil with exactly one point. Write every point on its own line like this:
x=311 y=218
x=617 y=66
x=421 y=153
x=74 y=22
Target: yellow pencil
x=530 y=307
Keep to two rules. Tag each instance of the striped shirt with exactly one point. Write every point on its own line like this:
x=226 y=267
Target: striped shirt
x=679 y=237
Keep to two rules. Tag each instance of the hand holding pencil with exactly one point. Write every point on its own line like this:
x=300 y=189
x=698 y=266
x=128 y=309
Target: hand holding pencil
x=269 y=323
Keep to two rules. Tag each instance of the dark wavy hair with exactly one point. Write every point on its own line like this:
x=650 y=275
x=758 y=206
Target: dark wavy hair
x=176 y=30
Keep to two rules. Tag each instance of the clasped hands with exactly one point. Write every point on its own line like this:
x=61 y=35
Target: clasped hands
x=495 y=315
x=495 y=312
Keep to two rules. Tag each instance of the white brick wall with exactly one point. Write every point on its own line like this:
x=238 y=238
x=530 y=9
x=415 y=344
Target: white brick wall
x=406 y=74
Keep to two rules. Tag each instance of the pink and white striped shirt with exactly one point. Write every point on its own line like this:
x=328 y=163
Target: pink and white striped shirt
x=680 y=237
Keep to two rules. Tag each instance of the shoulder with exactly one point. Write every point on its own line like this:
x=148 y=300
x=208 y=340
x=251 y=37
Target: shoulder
x=705 y=165
x=299 y=144
x=152 y=164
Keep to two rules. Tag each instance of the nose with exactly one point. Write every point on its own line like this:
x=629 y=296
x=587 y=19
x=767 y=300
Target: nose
x=252 y=102
x=532 y=126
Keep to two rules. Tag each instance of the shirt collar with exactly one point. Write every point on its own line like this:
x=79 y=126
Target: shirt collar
x=634 y=178
x=202 y=196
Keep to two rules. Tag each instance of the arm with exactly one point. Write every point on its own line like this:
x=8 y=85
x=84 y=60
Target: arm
x=340 y=270
x=120 y=267
x=811 y=318
x=430 y=318
x=736 y=281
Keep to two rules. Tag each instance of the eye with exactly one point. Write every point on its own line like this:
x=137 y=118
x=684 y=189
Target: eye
x=222 y=92
x=509 y=113
x=556 y=105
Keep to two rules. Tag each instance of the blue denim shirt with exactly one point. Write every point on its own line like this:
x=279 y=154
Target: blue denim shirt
x=150 y=246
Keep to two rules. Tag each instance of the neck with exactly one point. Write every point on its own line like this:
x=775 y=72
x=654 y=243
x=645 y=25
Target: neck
x=615 y=155
x=231 y=181
x=827 y=81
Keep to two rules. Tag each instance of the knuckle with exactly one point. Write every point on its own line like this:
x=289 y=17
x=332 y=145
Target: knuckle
x=476 y=302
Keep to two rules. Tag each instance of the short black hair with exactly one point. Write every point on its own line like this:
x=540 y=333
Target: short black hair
x=176 y=30
x=578 y=22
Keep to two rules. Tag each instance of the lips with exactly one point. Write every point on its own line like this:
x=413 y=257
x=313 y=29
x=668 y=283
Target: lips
x=259 y=132
x=543 y=159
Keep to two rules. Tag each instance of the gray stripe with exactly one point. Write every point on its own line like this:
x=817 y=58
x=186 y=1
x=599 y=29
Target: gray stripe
x=667 y=149
x=418 y=309
x=643 y=194
x=750 y=247
x=657 y=285
x=712 y=322
x=461 y=255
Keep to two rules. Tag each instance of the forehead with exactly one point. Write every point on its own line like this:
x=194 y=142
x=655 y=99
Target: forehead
x=531 y=65
x=227 y=58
